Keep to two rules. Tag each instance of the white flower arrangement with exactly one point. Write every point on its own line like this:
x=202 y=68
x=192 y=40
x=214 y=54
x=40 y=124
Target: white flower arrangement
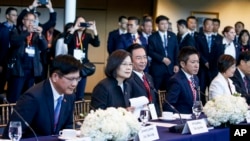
x=226 y=109
x=111 y=124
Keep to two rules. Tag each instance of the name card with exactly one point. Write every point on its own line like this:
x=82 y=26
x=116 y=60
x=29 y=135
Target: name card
x=148 y=133
x=152 y=111
x=197 y=126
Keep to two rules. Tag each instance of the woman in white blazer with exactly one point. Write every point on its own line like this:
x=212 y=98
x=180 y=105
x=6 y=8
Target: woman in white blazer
x=222 y=84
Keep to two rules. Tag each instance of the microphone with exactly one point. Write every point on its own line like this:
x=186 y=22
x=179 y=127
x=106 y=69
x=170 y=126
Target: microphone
x=25 y=122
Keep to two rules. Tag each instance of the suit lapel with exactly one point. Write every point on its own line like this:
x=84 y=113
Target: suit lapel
x=187 y=85
x=160 y=43
x=50 y=102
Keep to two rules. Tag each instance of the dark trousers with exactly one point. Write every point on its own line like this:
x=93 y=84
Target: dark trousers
x=80 y=89
x=18 y=85
x=205 y=80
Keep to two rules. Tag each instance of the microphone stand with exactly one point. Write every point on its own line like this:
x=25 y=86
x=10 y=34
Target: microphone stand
x=26 y=123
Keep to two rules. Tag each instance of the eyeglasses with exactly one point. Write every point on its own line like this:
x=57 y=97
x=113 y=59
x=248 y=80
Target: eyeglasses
x=72 y=79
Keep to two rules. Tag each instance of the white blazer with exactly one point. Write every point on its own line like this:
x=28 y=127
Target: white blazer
x=219 y=86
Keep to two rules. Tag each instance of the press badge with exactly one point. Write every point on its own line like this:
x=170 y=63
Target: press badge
x=30 y=50
x=79 y=54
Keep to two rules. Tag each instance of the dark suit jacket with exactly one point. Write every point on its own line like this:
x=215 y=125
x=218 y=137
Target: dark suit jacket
x=126 y=40
x=112 y=40
x=107 y=93
x=188 y=40
x=157 y=53
x=240 y=85
x=36 y=106
x=138 y=89
x=180 y=94
x=70 y=40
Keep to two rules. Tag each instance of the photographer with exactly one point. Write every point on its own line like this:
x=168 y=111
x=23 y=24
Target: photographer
x=26 y=43
x=48 y=31
x=78 y=40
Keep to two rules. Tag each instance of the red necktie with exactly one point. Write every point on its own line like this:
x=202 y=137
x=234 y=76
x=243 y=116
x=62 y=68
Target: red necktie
x=192 y=85
x=145 y=82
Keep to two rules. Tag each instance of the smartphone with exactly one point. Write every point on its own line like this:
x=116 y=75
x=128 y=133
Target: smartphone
x=85 y=24
x=43 y=2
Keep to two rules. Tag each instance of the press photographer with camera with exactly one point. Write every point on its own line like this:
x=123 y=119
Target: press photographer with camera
x=78 y=40
x=26 y=43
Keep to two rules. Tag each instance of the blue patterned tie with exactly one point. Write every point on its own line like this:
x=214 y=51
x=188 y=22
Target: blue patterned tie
x=209 y=42
x=57 y=111
x=165 y=44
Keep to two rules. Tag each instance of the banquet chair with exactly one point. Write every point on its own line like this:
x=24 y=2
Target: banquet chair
x=162 y=96
x=5 y=111
x=82 y=108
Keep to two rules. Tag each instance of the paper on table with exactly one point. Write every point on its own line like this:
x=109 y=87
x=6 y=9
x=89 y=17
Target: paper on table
x=162 y=124
x=183 y=116
x=138 y=103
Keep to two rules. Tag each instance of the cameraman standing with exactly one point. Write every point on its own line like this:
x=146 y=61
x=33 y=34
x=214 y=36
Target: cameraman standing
x=78 y=40
x=26 y=43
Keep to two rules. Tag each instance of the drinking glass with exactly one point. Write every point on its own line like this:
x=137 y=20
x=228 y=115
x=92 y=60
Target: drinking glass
x=144 y=116
x=197 y=108
x=15 y=130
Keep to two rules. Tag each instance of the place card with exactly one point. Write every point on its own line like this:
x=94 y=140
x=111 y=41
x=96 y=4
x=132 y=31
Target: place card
x=152 y=111
x=148 y=133
x=195 y=126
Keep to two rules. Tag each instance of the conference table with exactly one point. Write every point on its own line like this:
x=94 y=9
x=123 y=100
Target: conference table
x=217 y=134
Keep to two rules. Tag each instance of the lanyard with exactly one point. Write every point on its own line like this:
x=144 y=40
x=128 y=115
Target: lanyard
x=29 y=43
x=49 y=38
x=79 y=41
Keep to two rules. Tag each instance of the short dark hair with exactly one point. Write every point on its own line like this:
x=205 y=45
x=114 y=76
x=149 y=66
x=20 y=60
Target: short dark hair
x=207 y=19
x=216 y=20
x=145 y=21
x=161 y=18
x=65 y=64
x=137 y=20
x=121 y=17
x=185 y=52
x=114 y=61
x=244 y=56
x=225 y=61
x=239 y=22
x=182 y=22
x=191 y=17
x=133 y=47
x=8 y=10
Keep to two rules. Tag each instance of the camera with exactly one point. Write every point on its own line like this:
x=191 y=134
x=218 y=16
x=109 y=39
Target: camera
x=85 y=24
x=43 y=2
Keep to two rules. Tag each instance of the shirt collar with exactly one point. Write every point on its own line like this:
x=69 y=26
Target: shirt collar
x=241 y=73
x=139 y=74
x=56 y=95
x=187 y=75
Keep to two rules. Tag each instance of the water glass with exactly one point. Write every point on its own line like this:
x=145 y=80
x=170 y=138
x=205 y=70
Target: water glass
x=144 y=116
x=197 y=108
x=15 y=130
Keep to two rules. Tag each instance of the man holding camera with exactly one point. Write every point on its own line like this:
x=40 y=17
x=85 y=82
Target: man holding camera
x=78 y=40
x=26 y=43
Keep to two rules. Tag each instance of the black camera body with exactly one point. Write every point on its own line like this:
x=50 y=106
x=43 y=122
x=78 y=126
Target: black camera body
x=85 y=24
x=43 y=2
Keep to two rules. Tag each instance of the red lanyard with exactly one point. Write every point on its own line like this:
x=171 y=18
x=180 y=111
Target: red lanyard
x=49 y=39
x=29 y=43
x=79 y=41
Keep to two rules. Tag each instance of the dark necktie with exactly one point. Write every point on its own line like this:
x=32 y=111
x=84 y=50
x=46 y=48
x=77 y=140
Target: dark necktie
x=57 y=111
x=246 y=84
x=133 y=38
x=145 y=82
x=165 y=44
x=192 y=85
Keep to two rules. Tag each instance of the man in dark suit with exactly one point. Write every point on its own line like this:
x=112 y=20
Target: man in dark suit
x=206 y=44
x=5 y=29
x=241 y=75
x=239 y=26
x=185 y=39
x=216 y=26
x=132 y=36
x=183 y=84
x=139 y=77
x=115 y=34
x=163 y=49
x=39 y=104
x=192 y=26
